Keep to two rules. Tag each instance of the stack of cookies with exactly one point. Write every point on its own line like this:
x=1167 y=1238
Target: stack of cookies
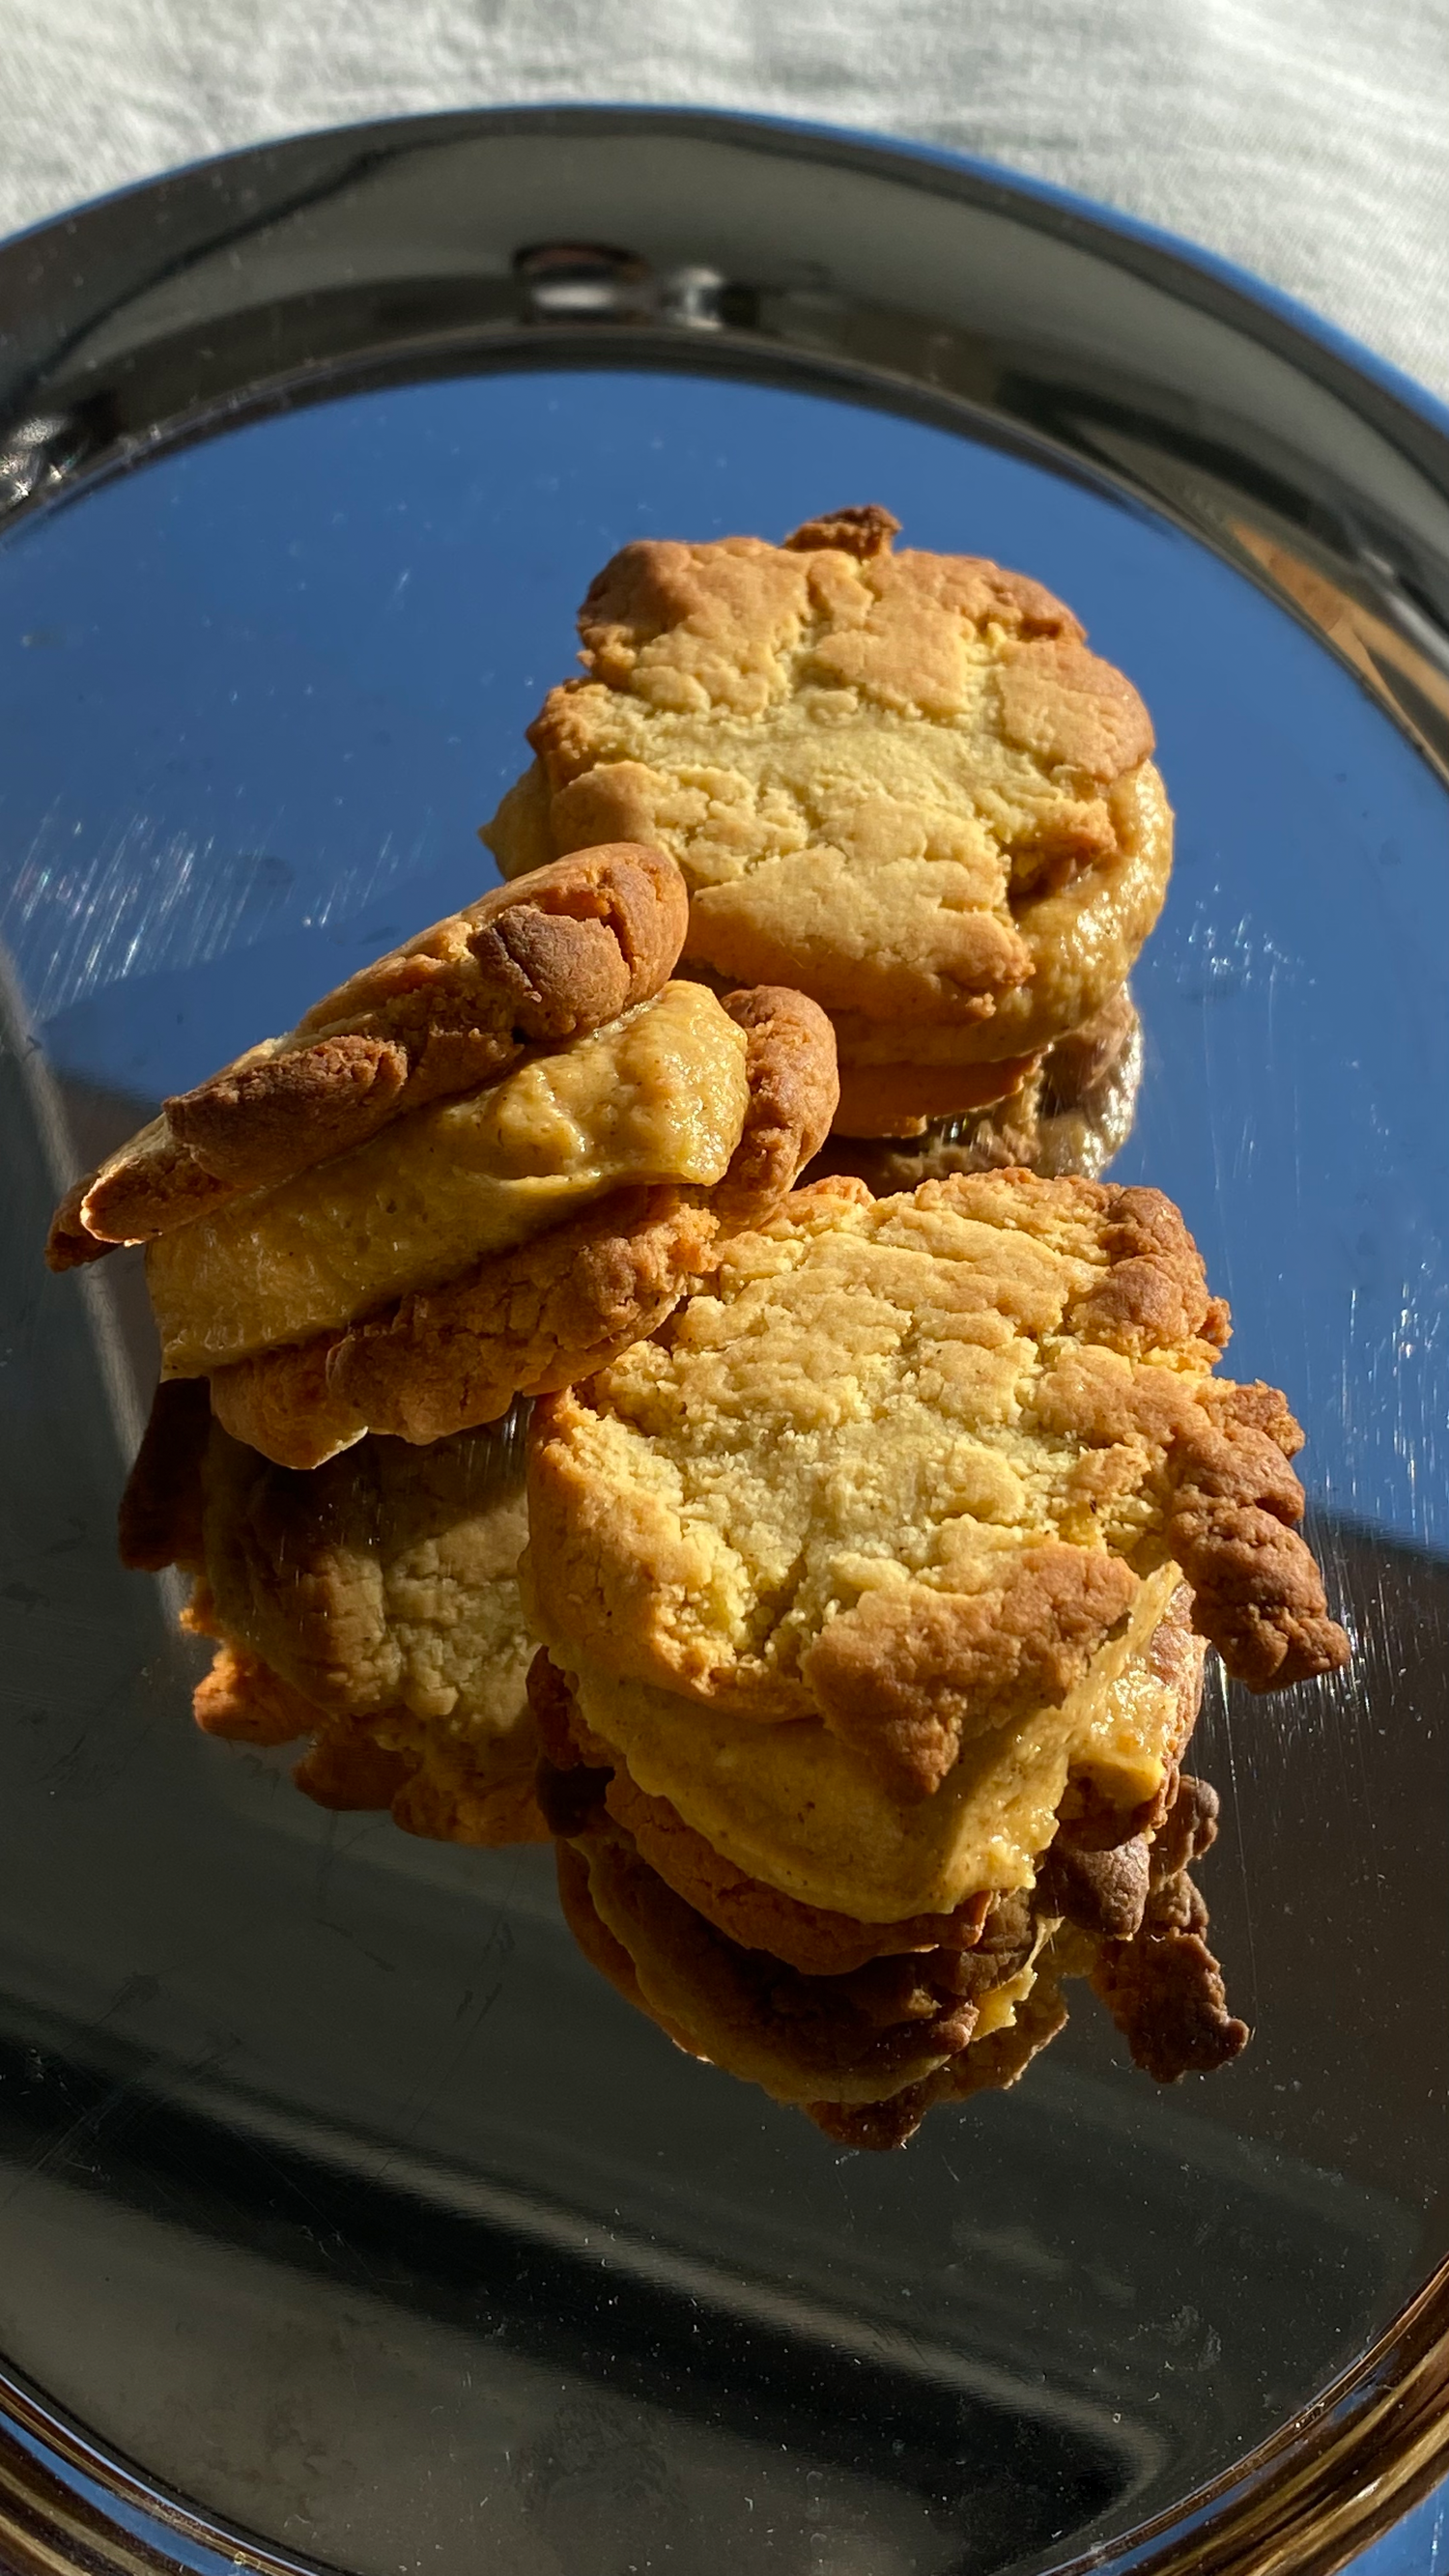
x=480 y=1169
x=873 y=1595
x=898 y=782
x=876 y=1528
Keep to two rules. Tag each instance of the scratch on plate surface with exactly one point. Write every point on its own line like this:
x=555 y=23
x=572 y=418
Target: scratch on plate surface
x=142 y=900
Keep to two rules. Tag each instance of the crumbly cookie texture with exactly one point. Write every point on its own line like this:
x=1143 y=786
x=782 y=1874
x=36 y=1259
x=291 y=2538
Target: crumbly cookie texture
x=906 y=1463
x=900 y=781
x=445 y=1789
x=372 y=1606
x=532 y=1319
x=442 y=1787
x=1152 y=1967
x=990 y=2065
x=385 y=1580
x=893 y=2037
x=521 y=1323
x=529 y=965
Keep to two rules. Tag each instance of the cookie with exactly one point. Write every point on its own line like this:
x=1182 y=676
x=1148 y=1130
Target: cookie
x=745 y=1088
x=478 y=1791
x=913 y=1468
x=372 y=1606
x=655 y=1100
x=528 y=965
x=1071 y=1113
x=742 y=1825
x=900 y=782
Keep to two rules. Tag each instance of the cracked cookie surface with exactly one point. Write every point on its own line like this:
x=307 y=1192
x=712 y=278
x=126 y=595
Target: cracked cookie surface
x=900 y=781
x=795 y=1808
x=906 y=1466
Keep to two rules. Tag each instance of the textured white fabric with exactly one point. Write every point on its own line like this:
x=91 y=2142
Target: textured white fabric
x=1307 y=139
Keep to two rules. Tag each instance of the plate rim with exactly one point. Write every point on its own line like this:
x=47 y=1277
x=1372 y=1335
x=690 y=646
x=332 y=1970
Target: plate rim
x=1372 y=594
x=1062 y=206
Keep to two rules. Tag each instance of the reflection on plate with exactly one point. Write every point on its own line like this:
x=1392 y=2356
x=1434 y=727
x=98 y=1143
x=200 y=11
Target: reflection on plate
x=343 y=2201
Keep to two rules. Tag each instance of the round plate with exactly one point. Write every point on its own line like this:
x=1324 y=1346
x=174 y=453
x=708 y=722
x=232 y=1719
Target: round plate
x=343 y=2207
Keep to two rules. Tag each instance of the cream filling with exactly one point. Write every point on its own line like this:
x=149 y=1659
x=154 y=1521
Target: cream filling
x=660 y=1096
x=793 y=1806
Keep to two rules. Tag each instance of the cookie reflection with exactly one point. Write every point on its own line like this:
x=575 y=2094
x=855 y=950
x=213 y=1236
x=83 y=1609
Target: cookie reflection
x=864 y=2026
x=897 y=781
x=1071 y=1115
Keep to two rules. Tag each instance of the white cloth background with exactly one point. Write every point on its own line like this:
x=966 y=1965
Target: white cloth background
x=1307 y=139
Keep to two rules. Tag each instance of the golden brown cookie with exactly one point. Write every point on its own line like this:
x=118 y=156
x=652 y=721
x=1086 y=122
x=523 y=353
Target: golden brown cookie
x=372 y=1606
x=886 y=1099
x=794 y=1809
x=1155 y=1972
x=1071 y=1113
x=898 y=781
x=564 y=1303
x=910 y=1468
x=1145 y=1718
x=580 y=1777
x=528 y=965
x=445 y=1782
x=656 y=1099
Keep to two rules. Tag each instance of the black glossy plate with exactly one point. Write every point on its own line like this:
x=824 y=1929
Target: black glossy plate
x=341 y=2205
